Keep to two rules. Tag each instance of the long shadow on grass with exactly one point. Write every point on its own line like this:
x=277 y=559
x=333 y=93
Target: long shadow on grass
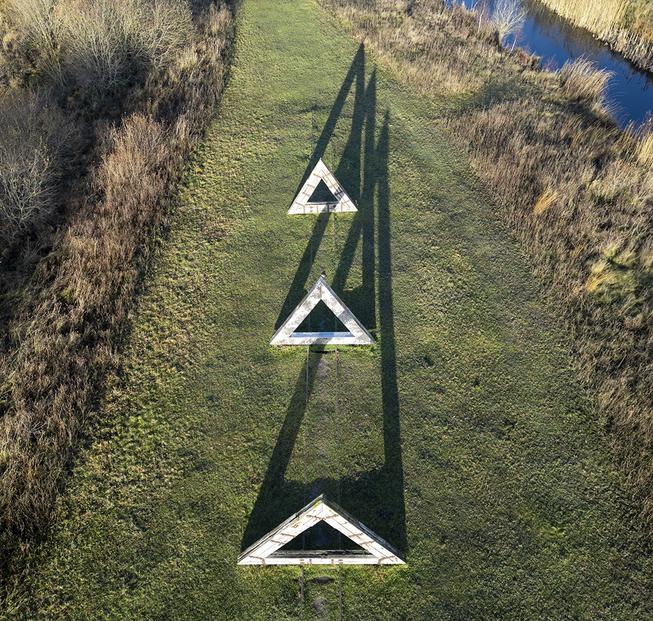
x=375 y=497
x=347 y=172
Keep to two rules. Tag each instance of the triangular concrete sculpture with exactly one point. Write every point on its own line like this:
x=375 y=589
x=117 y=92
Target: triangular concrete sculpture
x=357 y=334
x=375 y=550
x=302 y=204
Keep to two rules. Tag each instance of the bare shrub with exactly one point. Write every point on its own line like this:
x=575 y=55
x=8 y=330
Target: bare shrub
x=105 y=45
x=508 y=17
x=581 y=80
x=171 y=30
x=33 y=140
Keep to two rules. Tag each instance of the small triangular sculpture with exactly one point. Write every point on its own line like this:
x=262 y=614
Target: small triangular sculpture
x=375 y=550
x=302 y=203
x=357 y=333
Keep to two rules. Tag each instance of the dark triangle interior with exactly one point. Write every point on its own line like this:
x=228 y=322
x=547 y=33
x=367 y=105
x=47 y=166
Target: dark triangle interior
x=321 y=319
x=322 y=194
x=321 y=537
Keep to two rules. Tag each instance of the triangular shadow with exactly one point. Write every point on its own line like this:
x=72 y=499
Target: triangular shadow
x=348 y=173
x=354 y=73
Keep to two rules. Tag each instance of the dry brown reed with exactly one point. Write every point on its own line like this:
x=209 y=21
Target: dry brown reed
x=626 y=25
x=581 y=80
x=645 y=151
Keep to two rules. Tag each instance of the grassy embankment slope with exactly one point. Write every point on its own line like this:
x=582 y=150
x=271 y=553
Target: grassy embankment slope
x=627 y=25
x=104 y=103
x=462 y=436
x=582 y=213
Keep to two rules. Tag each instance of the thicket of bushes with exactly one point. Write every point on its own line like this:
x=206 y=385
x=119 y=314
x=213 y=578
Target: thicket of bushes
x=577 y=191
x=79 y=58
x=138 y=80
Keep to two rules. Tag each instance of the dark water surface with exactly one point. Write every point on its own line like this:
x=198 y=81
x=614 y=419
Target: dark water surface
x=630 y=91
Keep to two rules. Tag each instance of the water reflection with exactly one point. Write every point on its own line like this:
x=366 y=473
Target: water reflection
x=630 y=91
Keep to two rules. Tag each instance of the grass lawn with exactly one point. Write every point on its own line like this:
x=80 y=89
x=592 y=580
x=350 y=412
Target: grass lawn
x=462 y=436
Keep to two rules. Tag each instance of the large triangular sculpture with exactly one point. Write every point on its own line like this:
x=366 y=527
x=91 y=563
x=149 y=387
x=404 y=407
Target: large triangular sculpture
x=375 y=550
x=357 y=333
x=302 y=203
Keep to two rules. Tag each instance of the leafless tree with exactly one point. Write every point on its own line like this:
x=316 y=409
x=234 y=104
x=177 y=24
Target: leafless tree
x=31 y=142
x=508 y=17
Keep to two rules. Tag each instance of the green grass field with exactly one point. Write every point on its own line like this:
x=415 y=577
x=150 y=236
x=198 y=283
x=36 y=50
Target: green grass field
x=462 y=436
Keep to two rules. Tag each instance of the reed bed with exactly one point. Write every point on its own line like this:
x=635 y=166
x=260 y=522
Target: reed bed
x=582 y=81
x=626 y=25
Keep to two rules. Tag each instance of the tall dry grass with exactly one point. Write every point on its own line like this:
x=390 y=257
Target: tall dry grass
x=105 y=45
x=31 y=23
x=627 y=25
x=67 y=332
x=581 y=80
x=94 y=46
x=576 y=191
x=645 y=151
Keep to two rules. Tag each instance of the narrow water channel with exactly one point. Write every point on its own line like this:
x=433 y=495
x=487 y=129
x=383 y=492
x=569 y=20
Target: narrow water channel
x=555 y=40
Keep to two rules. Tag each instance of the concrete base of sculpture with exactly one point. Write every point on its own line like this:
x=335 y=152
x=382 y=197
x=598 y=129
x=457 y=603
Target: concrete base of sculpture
x=321 y=291
x=302 y=203
x=374 y=549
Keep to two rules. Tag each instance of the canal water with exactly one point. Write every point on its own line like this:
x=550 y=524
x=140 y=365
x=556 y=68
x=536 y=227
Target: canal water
x=545 y=34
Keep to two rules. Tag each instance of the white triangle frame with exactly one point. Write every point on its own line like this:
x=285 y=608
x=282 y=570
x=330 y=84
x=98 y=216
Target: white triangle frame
x=357 y=334
x=321 y=172
x=266 y=551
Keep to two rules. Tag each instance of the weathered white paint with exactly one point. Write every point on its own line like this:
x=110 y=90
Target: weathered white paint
x=376 y=551
x=357 y=335
x=321 y=172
